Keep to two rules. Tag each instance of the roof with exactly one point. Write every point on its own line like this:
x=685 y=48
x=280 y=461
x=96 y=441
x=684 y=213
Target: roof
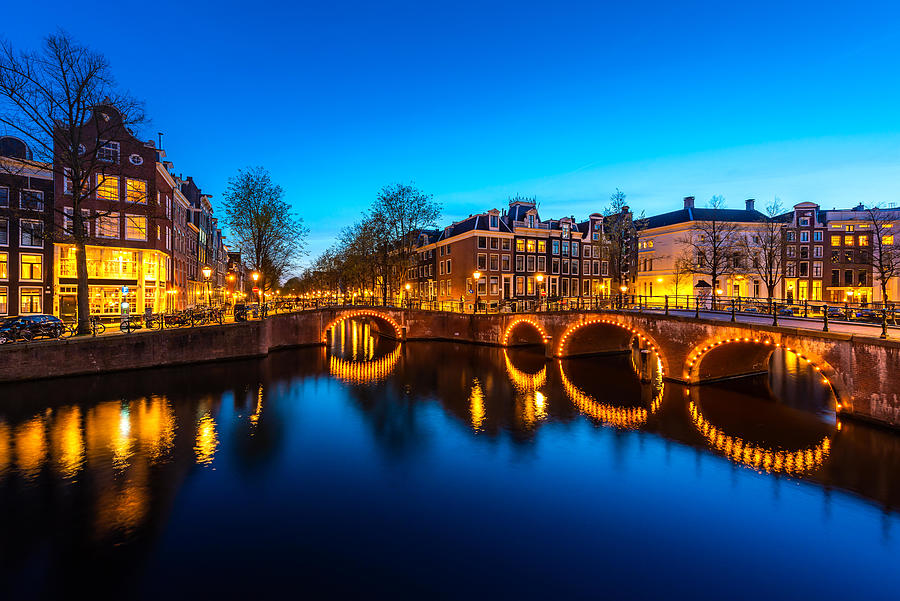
x=688 y=215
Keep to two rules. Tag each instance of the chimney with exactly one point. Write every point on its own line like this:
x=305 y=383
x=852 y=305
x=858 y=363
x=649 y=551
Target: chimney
x=688 y=202
x=749 y=203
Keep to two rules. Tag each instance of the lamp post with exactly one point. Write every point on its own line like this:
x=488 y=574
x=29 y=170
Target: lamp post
x=406 y=295
x=477 y=276
x=622 y=290
x=540 y=280
x=255 y=277
x=207 y=273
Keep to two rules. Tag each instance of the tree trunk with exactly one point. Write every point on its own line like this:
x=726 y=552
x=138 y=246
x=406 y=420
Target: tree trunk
x=83 y=313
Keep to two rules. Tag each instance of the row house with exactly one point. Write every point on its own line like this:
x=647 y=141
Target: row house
x=210 y=243
x=130 y=229
x=828 y=254
x=517 y=255
x=26 y=206
x=666 y=264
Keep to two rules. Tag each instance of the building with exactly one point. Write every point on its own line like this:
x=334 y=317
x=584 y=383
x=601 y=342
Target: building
x=667 y=265
x=26 y=208
x=518 y=256
x=210 y=245
x=129 y=228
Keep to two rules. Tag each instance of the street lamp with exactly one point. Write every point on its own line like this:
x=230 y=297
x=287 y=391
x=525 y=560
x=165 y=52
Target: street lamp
x=407 y=287
x=622 y=290
x=207 y=272
x=477 y=276
x=540 y=280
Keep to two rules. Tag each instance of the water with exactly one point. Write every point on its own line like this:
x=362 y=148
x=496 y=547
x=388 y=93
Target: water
x=441 y=471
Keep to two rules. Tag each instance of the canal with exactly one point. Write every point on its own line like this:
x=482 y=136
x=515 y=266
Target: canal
x=437 y=470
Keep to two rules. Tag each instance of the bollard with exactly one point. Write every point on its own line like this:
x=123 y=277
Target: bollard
x=732 y=310
x=825 y=321
x=883 y=323
x=667 y=304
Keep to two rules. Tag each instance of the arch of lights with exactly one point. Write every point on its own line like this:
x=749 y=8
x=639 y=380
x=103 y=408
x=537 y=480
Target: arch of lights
x=625 y=418
x=364 y=372
x=362 y=313
x=758 y=457
x=505 y=340
x=575 y=327
x=524 y=381
x=695 y=357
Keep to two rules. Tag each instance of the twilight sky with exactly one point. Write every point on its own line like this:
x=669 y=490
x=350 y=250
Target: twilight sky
x=476 y=102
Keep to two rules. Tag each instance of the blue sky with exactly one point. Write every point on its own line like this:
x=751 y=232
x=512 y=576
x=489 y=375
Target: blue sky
x=477 y=102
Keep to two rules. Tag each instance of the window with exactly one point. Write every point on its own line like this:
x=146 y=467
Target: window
x=530 y=263
x=804 y=236
x=504 y=244
x=520 y=245
x=849 y=228
x=135 y=227
x=520 y=285
x=136 y=192
x=848 y=277
x=816 y=290
x=555 y=249
x=604 y=268
x=495 y=243
x=442 y=251
x=835 y=240
x=804 y=252
x=482 y=242
x=495 y=263
x=804 y=221
x=575 y=287
x=574 y=249
x=565 y=249
x=574 y=266
x=886 y=240
x=31 y=300
x=495 y=222
x=789 y=270
x=108 y=152
x=482 y=261
x=504 y=262
x=495 y=286
x=565 y=267
x=817 y=236
x=531 y=221
x=529 y=245
x=108 y=226
x=542 y=264
x=4 y=266
x=448 y=269
x=4 y=196
x=586 y=268
x=30 y=267
x=108 y=187
x=4 y=300
x=441 y=268
x=4 y=232
x=791 y=236
x=848 y=256
x=863 y=277
x=817 y=252
x=596 y=267
x=804 y=269
x=542 y=246
x=32 y=200
x=554 y=265
x=817 y=269
x=482 y=286
x=863 y=240
x=520 y=263
x=31 y=233
x=791 y=251
x=848 y=240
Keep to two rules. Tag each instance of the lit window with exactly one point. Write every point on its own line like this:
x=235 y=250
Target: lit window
x=4 y=300
x=542 y=246
x=31 y=300
x=108 y=187
x=520 y=245
x=848 y=240
x=136 y=191
x=4 y=269
x=31 y=267
x=863 y=240
x=530 y=246
x=835 y=240
x=135 y=227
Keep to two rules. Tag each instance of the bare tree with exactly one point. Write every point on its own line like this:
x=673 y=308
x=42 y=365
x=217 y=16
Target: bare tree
x=620 y=238
x=885 y=255
x=63 y=101
x=764 y=248
x=681 y=271
x=399 y=214
x=262 y=225
x=713 y=243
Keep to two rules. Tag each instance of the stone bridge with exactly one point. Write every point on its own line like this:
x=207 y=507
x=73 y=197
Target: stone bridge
x=863 y=371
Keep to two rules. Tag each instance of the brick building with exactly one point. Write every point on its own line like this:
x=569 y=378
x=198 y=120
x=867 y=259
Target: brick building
x=26 y=206
x=510 y=249
x=130 y=230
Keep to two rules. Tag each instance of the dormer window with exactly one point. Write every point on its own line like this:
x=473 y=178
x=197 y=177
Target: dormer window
x=565 y=230
x=531 y=221
x=495 y=222
x=804 y=221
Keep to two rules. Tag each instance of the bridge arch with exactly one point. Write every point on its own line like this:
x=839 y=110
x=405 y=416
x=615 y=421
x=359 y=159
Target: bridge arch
x=625 y=418
x=381 y=318
x=518 y=322
x=744 y=355
x=565 y=339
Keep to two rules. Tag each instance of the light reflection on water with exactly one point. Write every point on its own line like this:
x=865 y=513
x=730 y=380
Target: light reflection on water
x=322 y=455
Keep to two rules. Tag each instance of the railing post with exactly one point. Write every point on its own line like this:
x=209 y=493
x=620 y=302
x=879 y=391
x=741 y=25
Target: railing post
x=805 y=308
x=883 y=323
x=825 y=320
x=775 y=313
x=667 y=304
x=732 y=310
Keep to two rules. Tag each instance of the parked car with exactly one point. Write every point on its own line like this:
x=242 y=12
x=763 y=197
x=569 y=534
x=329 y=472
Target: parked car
x=786 y=312
x=869 y=315
x=29 y=327
x=836 y=313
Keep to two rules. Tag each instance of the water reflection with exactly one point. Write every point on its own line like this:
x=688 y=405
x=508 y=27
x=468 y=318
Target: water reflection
x=140 y=461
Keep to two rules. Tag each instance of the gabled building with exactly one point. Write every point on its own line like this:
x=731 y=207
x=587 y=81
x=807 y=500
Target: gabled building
x=26 y=210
